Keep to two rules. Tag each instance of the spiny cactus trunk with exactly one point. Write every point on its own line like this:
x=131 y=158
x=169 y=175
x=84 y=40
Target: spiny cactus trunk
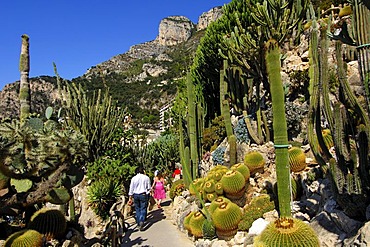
x=280 y=127
x=361 y=23
x=192 y=126
x=24 y=87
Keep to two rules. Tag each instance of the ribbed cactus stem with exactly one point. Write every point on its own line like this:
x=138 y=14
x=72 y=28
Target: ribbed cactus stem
x=314 y=108
x=24 y=87
x=280 y=126
x=232 y=149
x=187 y=167
x=361 y=24
x=224 y=97
x=192 y=126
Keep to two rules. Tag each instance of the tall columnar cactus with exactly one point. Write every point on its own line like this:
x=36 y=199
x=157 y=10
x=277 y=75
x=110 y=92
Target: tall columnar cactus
x=279 y=126
x=343 y=113
x=361 y=24
x=24 y=86
x=192 y=126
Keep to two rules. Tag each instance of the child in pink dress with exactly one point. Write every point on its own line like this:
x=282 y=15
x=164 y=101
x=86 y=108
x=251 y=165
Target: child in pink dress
x=159 y=188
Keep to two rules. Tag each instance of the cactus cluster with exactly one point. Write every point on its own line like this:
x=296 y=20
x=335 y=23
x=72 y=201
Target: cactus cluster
x=255 y=209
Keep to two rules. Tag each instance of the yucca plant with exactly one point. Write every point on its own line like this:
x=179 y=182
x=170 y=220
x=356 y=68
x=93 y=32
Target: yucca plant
x=102 y=194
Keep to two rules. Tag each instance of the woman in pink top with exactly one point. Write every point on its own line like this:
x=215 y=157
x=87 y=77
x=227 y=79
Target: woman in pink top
x=158 y=188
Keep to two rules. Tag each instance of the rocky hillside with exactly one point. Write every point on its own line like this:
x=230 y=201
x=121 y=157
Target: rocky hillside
x=143 y=80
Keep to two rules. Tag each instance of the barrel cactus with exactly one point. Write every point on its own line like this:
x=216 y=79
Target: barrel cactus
x=195 y=186
x=25 y=238
x=216 y=203
x=196 y=224
x=219 y=189
x=226 y=218
x=187 y=220
x=233 y=183
x=50 y=222
x=297 y=159
x=287 y=232
x=209 y=186
x=243 y=169
x=255 y=162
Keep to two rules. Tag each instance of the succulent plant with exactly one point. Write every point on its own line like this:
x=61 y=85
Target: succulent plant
x=208 y=229
x=209 y=186
x=3 y=181
x=233 y=182
x=50 y=222
x=297 y=159
x=59 y=196
x=219 y=189
x=255 y=162
x=187 y=220
x=196 y=185
x=216 y=203
x=21 y=185
x=211 y=196
x=177 y=188
x=287 y=232
x=243 y=169
x=196 y=224
x=254 y=210
x=226 y=218
x=25 y=238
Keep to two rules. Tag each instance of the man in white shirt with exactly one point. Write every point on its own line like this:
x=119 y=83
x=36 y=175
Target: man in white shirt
x=139 y=191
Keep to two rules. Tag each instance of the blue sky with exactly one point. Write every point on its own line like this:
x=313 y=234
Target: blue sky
x=78 y=34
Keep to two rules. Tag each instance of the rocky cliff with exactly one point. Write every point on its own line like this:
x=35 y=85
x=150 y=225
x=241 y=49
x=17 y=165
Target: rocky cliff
x=143 y=63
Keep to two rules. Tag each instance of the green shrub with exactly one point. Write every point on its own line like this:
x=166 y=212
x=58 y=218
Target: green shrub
x=102 y=194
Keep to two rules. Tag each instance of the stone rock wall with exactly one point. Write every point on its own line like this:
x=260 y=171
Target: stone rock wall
x=174 y=30
x=207 y=17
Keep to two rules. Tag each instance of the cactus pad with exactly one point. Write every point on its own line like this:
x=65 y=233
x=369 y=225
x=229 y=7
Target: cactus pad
x=287 y=232
x=50 y=222
x=21 y=185
x=59 y=196
x=25 y=238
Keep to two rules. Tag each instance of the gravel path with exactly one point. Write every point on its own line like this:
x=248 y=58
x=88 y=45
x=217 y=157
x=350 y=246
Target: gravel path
x=158 y=231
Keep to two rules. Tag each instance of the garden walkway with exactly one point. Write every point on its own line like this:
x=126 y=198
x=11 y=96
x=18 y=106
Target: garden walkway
x=157 y=232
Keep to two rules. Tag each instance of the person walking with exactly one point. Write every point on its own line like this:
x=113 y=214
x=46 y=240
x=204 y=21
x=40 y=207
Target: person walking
x=139 y=193
x=158 y=188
